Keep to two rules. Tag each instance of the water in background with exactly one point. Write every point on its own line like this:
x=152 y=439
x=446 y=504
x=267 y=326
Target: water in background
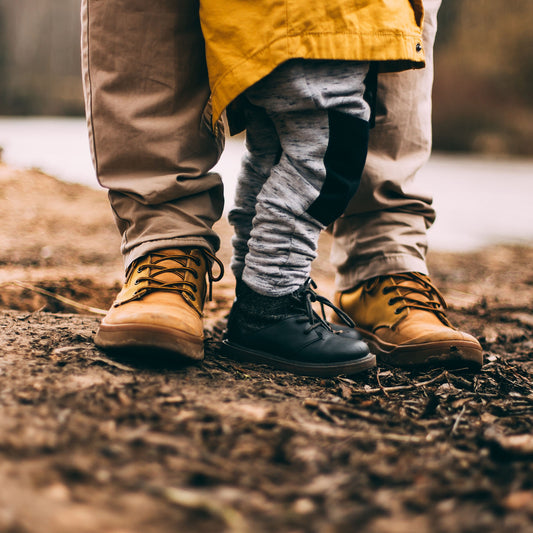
x=479 y=201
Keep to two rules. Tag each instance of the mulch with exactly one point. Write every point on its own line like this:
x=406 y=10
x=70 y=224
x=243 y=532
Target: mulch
x=91 y=443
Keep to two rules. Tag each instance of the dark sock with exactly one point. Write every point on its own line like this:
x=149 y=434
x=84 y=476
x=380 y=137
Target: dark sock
x=252 y=311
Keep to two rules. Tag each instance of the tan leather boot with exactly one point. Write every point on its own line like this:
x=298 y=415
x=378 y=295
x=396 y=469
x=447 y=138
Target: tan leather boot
x=161 y=304
x=402 y=318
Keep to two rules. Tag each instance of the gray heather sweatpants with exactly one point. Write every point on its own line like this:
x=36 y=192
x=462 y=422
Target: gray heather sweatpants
x=306 y=141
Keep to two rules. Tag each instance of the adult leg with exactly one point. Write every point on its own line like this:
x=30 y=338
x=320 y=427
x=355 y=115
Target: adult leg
x=147 y=103
x=380 y=243
x=383 y=230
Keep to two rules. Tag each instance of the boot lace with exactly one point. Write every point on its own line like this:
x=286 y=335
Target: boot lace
x=431 y=299
x=154 y=270
x=307 y=296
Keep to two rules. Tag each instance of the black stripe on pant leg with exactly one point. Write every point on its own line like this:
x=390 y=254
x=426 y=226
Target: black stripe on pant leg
x=344 y=161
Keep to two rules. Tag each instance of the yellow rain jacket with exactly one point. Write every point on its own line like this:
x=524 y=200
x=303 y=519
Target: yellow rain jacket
x=247 y=39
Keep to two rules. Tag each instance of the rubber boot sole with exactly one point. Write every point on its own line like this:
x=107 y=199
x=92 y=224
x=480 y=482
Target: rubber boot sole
x=347 y=368
x=138 y=337
x=450 y=354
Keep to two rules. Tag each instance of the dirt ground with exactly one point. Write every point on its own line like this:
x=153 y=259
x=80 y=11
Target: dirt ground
x=92 y=444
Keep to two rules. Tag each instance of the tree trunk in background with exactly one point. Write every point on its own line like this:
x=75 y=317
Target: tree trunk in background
x=484 y=77
x=40 y=58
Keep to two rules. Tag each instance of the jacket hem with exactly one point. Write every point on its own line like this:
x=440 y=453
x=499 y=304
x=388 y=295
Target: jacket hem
x=408 y=53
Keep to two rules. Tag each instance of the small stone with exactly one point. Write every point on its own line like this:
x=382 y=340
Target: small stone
x=58 y=492
x=303 y=506
x=519 y=500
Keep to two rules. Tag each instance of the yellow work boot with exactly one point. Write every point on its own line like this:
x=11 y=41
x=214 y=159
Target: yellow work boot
x=160 y=306
x=402 y=318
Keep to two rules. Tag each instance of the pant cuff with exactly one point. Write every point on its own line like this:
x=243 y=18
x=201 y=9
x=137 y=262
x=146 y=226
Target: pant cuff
x=160 y=244
x=381 y=266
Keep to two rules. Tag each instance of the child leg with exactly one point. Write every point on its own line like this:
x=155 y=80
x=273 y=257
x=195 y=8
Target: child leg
x=262 y=153
x=320 y=118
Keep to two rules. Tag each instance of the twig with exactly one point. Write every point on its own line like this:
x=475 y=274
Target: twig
x=402 y=387
x=458 y=419
x=340 y=408
x=110 y=362
x=58 y=297
x=204 y=501
x=380 y=385
x=323 y=409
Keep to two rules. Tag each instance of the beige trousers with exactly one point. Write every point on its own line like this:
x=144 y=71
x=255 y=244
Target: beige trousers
x=149 y=120
x=383 y=230
x=148 y=113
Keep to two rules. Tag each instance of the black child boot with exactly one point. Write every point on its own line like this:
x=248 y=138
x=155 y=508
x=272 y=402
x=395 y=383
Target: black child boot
x=285 y=332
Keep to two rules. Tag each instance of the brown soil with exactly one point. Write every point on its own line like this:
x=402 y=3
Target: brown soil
x=91 y=444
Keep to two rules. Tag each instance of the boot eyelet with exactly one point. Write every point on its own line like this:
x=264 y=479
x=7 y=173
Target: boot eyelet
x=137 y=281
x=390 y=302
x=398 y=311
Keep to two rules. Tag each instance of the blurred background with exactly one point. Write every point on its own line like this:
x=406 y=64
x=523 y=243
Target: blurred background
x=483 y=99
x=483 y=105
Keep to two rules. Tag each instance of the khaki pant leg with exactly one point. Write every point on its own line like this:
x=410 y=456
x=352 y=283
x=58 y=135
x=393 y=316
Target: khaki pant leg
x=383 y=230
x=148 y=114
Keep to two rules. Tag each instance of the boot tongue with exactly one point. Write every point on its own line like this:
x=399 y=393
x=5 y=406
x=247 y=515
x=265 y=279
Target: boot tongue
x=171 y=266
x=188 y=266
